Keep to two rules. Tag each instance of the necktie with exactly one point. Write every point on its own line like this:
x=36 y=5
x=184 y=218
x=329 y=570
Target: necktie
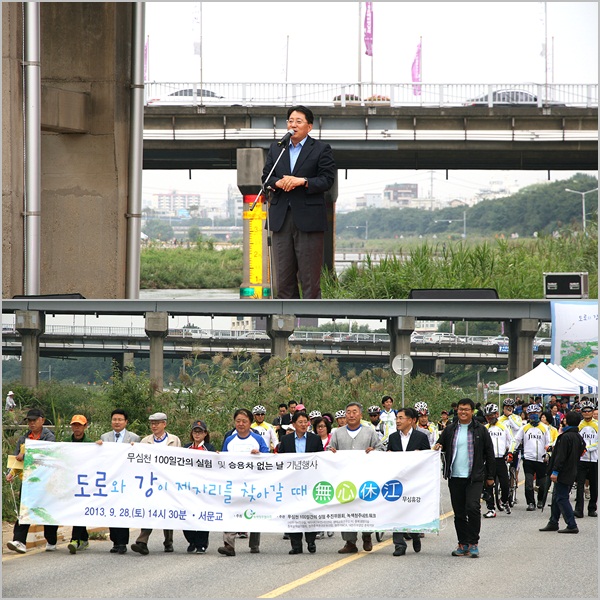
x=117 y=436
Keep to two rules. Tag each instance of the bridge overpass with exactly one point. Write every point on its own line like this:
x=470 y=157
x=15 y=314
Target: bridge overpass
x=522 y=321
x=438 y=131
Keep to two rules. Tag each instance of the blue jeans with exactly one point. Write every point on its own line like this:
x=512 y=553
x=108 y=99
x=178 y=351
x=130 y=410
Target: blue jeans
x=562 y=504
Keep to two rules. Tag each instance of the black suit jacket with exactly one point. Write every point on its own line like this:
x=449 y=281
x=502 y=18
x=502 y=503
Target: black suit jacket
x=307 y=204
x=288 y=443
x=417 y=441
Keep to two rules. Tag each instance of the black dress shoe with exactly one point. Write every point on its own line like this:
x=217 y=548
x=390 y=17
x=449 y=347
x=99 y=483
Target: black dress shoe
x=121 y=549
x=140 y=547
x=578 y=514
x=312 y=547
x=168 y=547
x=295 y=551
x=191 y=549
x=399 y=551
x=530 y=506
x=567 y=530
x=592 y=513
x=114 y=549
x=550 y=527
x=540 y=504
x=416 y=545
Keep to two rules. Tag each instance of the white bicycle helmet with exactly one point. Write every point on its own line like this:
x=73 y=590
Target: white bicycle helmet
x=490 y=409
x=533 y=408
x=374 y=410
x=509 y=402
x=421 y=407
x=259 y=409
x=314 y=414
x=340 y=414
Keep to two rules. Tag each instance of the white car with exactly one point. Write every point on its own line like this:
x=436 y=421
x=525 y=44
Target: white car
x=185 y=96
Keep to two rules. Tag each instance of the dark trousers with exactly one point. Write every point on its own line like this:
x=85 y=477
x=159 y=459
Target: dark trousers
x=119 y=536
x=296 y=539
x=531 y=468
x=400 y=541
x=145 y=536
x=297 y=258
x=21 y=530
x=502 y=475
x=79 y=532
x=562 y=505
x=587 y=470
x=465 y=496
x=196 y=538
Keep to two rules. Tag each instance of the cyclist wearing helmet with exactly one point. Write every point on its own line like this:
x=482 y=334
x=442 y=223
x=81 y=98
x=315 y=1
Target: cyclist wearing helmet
x=423 y=424
x=535 y=439
x=513 y=423
x=266 y=430
x=340 y=418
x=501 y=441
x=588 y=462
x=375 y=421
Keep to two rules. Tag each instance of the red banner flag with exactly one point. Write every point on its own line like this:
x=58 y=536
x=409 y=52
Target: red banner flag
x=416 y=71
x=369 y=28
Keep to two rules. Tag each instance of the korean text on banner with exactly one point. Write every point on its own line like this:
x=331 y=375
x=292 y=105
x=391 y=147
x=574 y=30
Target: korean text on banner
x=416 y=71
x=145 y=485
x=369 y=28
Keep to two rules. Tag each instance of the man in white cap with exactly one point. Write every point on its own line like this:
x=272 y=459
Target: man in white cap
x=10 y=402
x=159 y=435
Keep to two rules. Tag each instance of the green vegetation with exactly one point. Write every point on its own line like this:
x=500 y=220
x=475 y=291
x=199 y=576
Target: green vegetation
x=513 y=267
x=197 y=267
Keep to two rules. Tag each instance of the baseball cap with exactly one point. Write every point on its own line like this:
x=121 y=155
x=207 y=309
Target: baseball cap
x=199 y=425
x=300 y=407
x=34 y=413
x=79 y=419
x=158 y=416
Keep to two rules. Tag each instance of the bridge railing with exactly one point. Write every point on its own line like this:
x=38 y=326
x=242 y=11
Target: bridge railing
x=365 y=94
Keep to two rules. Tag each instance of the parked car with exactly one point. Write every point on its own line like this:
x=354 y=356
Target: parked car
x=183 y=97
x=509 y=98
x=441 y=338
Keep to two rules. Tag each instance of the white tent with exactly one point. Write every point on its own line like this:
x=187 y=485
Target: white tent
x=541 y=380
x=570 y=376
x=587 y=379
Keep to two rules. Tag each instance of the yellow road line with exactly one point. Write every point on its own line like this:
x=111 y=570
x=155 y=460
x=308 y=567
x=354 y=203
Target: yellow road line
x=329 y=568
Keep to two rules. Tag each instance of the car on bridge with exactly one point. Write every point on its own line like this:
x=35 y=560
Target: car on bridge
x=185 y=96
x=510 y=98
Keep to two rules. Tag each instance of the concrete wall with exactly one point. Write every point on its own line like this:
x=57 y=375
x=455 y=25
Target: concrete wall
x=85 y=54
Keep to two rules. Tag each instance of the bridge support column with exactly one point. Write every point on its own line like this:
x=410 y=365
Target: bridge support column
x=257 y=277
x=520 y=354
x=279 y=329
x=439 y=369
x=156 y=326
x=30 y=324
x=400 y=329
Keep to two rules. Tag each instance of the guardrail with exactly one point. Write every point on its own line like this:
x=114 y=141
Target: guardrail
x=366 y=94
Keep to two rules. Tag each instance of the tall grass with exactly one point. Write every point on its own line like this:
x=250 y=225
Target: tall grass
x=514 y=268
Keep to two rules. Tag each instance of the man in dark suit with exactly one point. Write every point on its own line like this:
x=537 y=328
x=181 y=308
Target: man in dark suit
x=297 y=215
x=406 y=439
x=301 y=441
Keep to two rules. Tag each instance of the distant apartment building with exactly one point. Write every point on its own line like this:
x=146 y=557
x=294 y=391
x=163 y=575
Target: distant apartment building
x=173 y=202
x=235 y=204
x=399 y=195
x=370 y=200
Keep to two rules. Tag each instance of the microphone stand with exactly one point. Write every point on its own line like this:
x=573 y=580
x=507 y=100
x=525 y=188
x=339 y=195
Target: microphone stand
x=262 y=192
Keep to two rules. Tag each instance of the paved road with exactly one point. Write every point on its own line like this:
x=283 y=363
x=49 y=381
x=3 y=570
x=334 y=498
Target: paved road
x=517 y=561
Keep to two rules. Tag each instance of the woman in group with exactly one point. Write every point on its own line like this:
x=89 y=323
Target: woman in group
x=322 y=427
x=199 y=440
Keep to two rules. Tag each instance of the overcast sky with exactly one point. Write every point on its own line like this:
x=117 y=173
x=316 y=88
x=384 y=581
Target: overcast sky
x=462 y=42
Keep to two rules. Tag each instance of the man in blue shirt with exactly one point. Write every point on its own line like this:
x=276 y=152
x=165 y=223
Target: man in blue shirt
x=469 y=460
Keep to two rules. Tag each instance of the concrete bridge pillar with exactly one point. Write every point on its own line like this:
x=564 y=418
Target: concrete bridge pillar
x=156 y=326
x=400 y=329
x=279 y=329
x=520 y=335
x=439 y=369
x=30 y=324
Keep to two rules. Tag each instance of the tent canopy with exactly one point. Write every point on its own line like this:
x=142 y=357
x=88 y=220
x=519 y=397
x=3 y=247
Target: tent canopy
x=541 y=380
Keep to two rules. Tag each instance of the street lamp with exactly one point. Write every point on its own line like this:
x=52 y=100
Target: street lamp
x=365 y=227
x=464 y=235
x=582 y=194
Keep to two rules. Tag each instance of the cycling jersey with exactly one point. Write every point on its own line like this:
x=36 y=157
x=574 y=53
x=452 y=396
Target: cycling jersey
x=588 y=430
x=388 y=423
x=501 y=438
x=431 y=431
x=512 y=422
x=534 y=440
x=268 y=433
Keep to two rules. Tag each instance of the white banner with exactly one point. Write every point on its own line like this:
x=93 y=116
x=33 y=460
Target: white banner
x=146 y=485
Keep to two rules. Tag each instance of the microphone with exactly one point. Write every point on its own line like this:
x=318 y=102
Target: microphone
x=286 y=138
